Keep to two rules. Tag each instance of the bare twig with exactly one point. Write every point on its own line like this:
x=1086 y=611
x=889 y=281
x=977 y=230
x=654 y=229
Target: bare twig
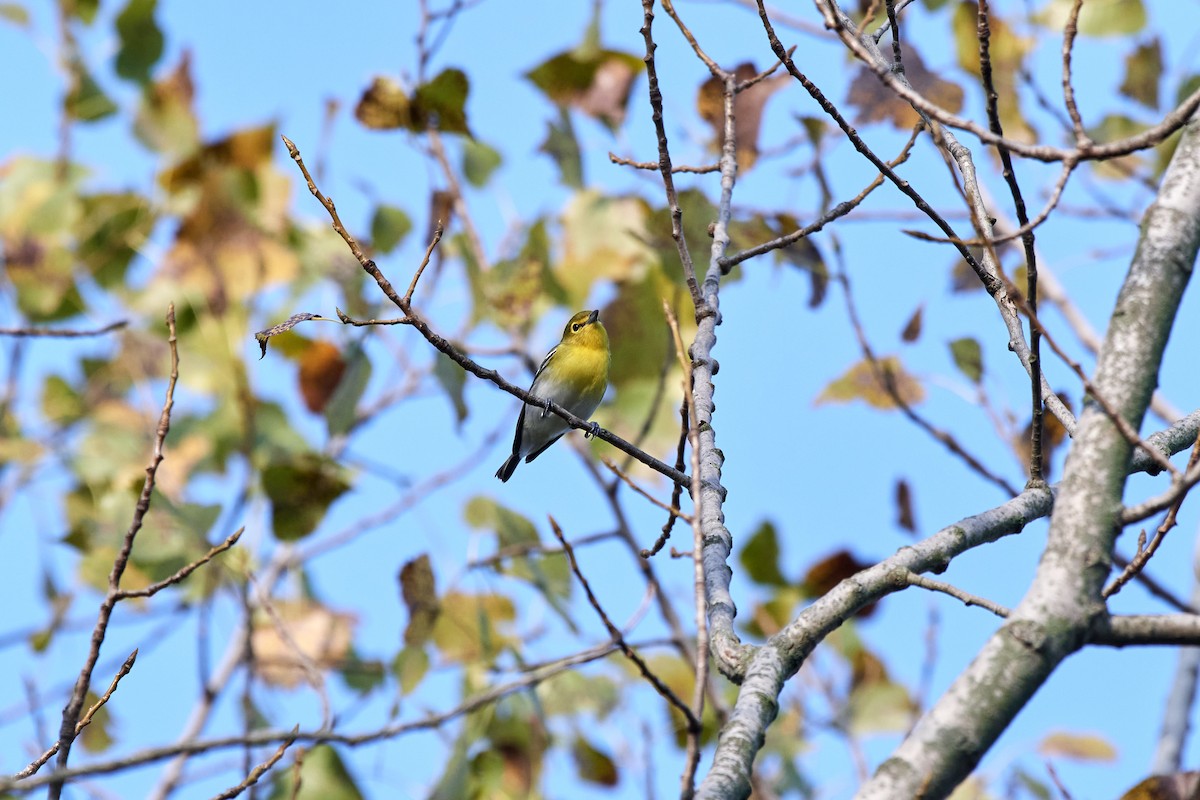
x=67 y=732
x=887 y=381
x=269 y=737
x=1145 y=554
x=85 y=721
x=155 y=588
x=670 y=509
x=676 y=492
x=692 y=760
x=258 y=771
x=654 y=165
x=618 y=638
x=1068 y=47
x=64 y=333
x=945 y=588
x=838 y=211
x=664 y=157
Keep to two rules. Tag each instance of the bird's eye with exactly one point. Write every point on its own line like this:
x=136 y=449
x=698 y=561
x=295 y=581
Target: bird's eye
x=575 y=327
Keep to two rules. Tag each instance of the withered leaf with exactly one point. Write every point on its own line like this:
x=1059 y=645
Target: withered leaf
x=877 y=103
x=748 y=108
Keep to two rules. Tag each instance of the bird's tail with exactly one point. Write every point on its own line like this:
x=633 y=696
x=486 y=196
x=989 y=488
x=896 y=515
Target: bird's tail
x=508 y=467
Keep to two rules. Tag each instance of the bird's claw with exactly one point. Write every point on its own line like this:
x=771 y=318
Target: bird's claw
x=545 y=408
x=593 y=430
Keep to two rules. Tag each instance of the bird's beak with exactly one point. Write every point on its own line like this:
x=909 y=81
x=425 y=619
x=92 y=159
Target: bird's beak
x=592 y=317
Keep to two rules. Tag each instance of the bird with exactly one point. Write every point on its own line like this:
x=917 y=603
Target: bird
x=573 y=375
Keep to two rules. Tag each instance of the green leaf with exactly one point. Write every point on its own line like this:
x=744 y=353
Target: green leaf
x=323 y=776
x=453 y=379
x=548 y=573
x=389 y=226
x=444 y=98
x=61 y=403
x=572 y=693
x=473 y=628
x=880 y=706
x=83 y=10
x=86 y=101
x=562 y=146
x=595 y=81
x=1097 y=17
x=479 y=162
x=592 y=764
x=15 y=13
x=341 y=411
x=301 y=491
x=968 y=358
x=409 y=667
x=98 y=735
x=111 y=231
x=141 y=40
x=760 y=556
x=418 y=589
x=1143 y=70
x=362 y=676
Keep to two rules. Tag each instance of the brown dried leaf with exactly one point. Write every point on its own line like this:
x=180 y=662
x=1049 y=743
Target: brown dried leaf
x=912 y=328
x=877 y=103
x=904 y=506
x=322 y=637
x=321 y=370
x=830 y=571
x=747 y=110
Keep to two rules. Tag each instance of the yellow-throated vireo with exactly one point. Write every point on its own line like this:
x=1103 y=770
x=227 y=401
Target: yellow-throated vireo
x=573 y=375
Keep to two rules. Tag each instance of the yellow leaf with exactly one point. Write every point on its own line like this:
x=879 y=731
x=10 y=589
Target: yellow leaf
x=879 y=383
x=1079 y=746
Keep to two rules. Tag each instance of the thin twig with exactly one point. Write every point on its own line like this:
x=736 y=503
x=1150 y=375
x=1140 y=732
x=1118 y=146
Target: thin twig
x=677 y=491
x=67 y=732
x=618 y=638
x=85 y=721
x=664 y=157
x=945 y=588
x=1037 y=426
x=887 y=381
x=1068 y=47
x=64 y=333
x=692 y=760
x=155 y=588
x=258 y=771
x=838 y=211
x=1145 y=554
x=672 y=510
x=269 y=737
x=655 y=166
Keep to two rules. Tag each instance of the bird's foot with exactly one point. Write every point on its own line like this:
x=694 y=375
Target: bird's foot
x=545 y=408
x=592 y=430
